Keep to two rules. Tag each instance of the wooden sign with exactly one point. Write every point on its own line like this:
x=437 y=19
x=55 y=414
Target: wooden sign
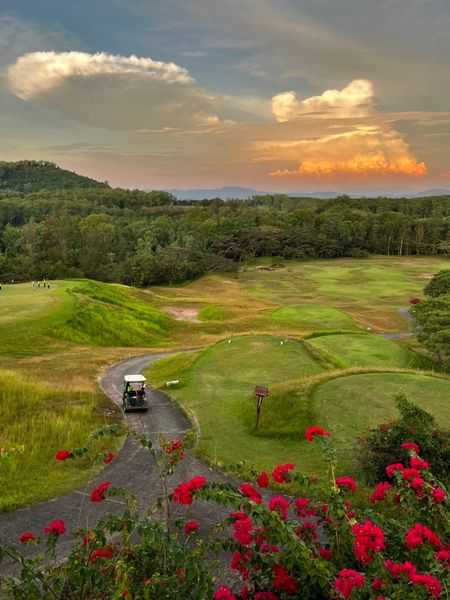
x=260 y=392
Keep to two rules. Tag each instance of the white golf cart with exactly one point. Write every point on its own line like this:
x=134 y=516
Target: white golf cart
x=134 y=395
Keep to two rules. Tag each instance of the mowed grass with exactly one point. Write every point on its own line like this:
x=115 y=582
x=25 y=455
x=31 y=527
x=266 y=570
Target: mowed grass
x=217 y=385
x=21 y=301
x=348 y=405
x=43 y=421
x=313 y=316
x=80 y=312
x=363 y=350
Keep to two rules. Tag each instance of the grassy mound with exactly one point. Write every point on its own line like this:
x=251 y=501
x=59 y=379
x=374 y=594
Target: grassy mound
x=348 y=405
x=313 y=316
x=360 y=350
x=212 y=312
x=45 y=420
x=109 y=315
x=217 y=385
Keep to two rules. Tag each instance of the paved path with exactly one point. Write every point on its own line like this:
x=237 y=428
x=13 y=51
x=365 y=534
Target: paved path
x=404 y=311
x=133 y=468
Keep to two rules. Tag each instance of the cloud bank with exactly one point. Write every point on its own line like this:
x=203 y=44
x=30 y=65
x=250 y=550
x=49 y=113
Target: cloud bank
x=337 y=136
x=112 y=91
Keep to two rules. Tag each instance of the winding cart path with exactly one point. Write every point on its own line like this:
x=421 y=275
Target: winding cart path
x=133 y=468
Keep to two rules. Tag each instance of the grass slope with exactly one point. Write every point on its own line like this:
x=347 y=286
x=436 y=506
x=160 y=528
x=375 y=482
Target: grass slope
x=362 y=350
x=45 y=420
x=217 y=386
x=110 y=315
x=37 y=321
x=348 y=405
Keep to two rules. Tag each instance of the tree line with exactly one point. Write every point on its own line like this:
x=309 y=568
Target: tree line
x=433 y=317
x=143 y=238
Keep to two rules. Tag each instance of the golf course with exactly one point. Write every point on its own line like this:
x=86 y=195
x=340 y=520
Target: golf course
x=315 y=332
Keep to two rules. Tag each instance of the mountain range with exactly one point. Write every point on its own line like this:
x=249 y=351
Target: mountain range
x=243 y=193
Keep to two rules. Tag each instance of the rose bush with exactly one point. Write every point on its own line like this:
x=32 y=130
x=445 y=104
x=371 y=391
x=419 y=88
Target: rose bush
x=269 y=546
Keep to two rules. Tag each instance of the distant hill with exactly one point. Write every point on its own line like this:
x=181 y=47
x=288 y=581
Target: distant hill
x=209 y=194
x=427 y=193
x=243 y=193
x=32 y=176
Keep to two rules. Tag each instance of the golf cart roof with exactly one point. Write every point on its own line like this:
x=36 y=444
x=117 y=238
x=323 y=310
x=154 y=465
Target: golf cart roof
x=134 y=379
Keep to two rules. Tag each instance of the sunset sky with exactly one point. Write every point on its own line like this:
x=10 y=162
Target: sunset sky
x=277 y=95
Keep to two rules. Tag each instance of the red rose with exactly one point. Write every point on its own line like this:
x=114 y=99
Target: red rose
x=347 y=580
x=98 y=494
x=249 y=491
x=314 y=431
x=57 y=527
x=280 y=473
x=346 y=482
x=110 y=457
x=263 y=480
x=379 y=493
x=183 y=493
x=283 y=581
x=280 y=505
x=63 y=455
x=390 y=469
x=190 y=527
x=224 y=593
x=438 y=495
x=25 y=537
x=105 y=553
x=411 y=446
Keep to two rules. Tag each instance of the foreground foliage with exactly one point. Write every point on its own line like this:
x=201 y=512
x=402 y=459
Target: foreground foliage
x=382 y=444
x=280 y=547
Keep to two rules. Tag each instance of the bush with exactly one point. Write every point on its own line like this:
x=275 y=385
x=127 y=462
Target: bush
x=439 y=285
x=281 y=548
x=382 y=445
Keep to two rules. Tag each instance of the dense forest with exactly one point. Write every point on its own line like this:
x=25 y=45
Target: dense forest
x=34 y=175
x=433 y=318
x=143 y=238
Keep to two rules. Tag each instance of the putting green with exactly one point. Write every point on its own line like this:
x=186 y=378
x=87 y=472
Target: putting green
x=348 y=405
x=313 y=316
x=21 y=301
x=360 y=350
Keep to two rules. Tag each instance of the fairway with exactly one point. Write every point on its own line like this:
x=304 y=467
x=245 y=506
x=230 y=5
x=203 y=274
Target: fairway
x=63 y=337
x=313 y=316
x=21 y=301
x=217 y=386
x=348 y=405
x=363 y=350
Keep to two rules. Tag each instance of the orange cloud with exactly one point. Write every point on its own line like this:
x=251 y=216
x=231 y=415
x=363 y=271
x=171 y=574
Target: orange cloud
x=367 y=152
x=445 y=175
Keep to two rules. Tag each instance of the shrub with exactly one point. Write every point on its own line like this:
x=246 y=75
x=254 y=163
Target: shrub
x=382 y=445
x=439 y=285
x=280 y=547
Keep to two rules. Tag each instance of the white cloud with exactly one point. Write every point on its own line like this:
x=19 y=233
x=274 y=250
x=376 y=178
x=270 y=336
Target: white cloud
x=354 y=100
x=111 y=91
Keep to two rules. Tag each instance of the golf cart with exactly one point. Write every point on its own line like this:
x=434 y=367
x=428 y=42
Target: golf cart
x=134 y=396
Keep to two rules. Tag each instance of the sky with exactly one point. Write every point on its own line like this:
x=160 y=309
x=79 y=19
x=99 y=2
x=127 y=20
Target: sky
x=276 y=95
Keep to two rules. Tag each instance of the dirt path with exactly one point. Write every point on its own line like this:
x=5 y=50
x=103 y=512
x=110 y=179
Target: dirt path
x=133 y=468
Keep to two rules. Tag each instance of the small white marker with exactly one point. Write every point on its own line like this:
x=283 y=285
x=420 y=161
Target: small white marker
x=229 y=341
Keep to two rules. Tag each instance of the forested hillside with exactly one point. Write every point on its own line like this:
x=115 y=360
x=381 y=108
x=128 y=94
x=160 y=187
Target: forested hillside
x=145 y=238
x=32 y=176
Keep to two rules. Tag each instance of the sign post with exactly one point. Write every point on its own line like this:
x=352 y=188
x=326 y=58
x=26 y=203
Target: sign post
x=260 y=392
